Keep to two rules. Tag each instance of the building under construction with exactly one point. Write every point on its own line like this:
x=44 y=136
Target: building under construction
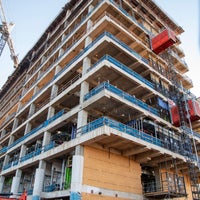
x=101 y=108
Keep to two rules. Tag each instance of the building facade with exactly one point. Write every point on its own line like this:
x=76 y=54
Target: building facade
x=100 y=108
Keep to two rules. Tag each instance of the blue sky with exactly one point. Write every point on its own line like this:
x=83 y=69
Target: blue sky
x=33 y=16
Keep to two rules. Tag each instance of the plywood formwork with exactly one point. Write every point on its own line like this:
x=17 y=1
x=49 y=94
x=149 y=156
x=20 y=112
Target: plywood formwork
x=106 y=170
x=86 y=196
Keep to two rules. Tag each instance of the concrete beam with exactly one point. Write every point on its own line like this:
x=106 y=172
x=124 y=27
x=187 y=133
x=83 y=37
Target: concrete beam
x=149 y=154
x=135 y=150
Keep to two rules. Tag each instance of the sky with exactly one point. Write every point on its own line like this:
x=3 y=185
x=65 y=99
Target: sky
x=32 y=17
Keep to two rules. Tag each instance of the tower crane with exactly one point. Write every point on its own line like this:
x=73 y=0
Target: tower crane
x=5 y=30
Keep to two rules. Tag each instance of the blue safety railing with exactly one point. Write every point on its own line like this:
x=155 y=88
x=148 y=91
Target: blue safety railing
x=52 y=187
x=3 y=150
x=49 y=146
x=15 y=162
x=31 y=155
x=93 y=43
x=30 y=191
x=124 y=68
x=120 y=93
x=46 y=123
x=7 y=166
x=49 y=188
x=84 y=19
x=120 y=127
x=135 y=54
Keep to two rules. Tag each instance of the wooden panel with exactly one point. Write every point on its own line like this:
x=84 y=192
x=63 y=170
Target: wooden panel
x=188 y=187
x=106 y=170
x=86 y=196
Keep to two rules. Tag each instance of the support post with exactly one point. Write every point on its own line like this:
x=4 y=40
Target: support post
x=39 y=179
x=2 y=178
x=16 y=182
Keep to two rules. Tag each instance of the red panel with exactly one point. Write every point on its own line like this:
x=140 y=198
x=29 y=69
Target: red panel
x=175 y=116
x=162 y=41
x=194 y=109
x=174 y=113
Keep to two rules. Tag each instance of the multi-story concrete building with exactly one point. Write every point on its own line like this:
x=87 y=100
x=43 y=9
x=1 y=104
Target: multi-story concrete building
x=100 y=108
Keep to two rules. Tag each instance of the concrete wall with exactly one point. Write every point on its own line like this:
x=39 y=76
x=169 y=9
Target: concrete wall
x=110 y=171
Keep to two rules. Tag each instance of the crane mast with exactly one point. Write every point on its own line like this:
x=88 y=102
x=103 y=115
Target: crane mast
x=5 y=30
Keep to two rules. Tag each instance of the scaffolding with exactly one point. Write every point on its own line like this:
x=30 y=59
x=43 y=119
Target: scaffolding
x=188 y=143
x=162 y=182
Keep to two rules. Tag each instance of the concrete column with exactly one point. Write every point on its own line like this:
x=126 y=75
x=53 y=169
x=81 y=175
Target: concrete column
x=61 y=51
x=39 y=74
x=89 y=25
x=84 y=90
x=58 y=68
x=11 y=140
x=54 y=91
x=46 y=138
x=6 y=160
x=16 y=182
x=28 y=128
x=39 y=179
x=77 y=173
x=2 y=178
x=68 y=13
x=43 y=59
x=3 y=132
x=48 y=36
x=20 y=104
x=51 y=112
x=89 y=22
x=36 y=89
x=90 y=8
x=22 y=151
x=15 y=124
x=88 y=40
x=33 y=54
x=31 y=110
x=83 y=115
x=63 y=37
x=24 y=90
x=82 y=118
x=86 y=65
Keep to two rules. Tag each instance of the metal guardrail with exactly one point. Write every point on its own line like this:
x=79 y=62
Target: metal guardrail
x=120 y=127
x=120 y=93
x=135 y=54
x=31 y=155
x=124 y=68
x=44 y=124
